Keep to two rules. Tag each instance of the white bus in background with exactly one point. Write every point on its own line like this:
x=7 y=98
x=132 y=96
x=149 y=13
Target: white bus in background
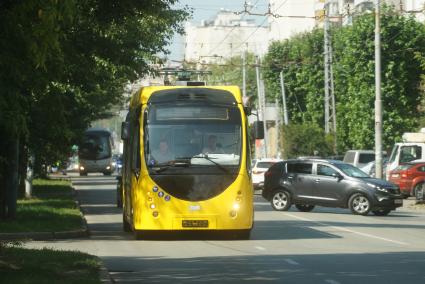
x=95 y=152
x=412 y=149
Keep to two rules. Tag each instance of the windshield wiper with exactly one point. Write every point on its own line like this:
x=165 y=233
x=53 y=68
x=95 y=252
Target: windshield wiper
x=171 y=164
x=205 y=156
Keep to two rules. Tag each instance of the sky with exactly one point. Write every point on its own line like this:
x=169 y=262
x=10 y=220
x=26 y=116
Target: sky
x=205 y=10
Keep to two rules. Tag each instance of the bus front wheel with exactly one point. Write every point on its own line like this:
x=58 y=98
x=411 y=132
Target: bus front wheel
x=125 y=225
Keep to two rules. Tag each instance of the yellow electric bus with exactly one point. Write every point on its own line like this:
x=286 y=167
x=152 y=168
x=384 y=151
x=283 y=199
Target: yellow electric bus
x=187 y=161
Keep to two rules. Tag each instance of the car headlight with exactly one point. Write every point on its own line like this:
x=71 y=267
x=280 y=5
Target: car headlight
x=377 y=187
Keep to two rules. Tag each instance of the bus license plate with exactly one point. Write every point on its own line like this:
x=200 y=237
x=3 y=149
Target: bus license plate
x=195 y=223
x=398 y=201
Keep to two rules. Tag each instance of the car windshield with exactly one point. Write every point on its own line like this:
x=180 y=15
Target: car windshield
x=198 y=136
x=351 y=171
x=264 y=165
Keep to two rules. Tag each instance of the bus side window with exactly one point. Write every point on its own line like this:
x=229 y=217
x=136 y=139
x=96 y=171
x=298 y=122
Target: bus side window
x=135 y=165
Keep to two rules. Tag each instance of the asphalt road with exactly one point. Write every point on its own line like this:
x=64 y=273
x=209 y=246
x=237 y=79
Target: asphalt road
x=324 y=246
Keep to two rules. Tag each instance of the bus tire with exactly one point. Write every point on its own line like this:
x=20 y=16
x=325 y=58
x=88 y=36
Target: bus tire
x=125 y=225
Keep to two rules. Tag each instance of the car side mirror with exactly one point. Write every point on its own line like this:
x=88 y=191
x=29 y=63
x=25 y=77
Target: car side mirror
x=338 y=176
x=125 y=130
x=258 y=129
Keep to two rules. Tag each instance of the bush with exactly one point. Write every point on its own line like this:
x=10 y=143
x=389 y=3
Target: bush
x=305 y=140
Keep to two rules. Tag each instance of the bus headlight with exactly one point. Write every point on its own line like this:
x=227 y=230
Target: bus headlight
x=81 y=168
x=108 y=167
x=236 y=206
x=152 y=206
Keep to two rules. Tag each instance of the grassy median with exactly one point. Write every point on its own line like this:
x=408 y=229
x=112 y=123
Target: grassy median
x=19 y=265
x=51 y=209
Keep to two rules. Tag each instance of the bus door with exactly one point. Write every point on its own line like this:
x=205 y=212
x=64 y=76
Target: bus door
x=132 y=161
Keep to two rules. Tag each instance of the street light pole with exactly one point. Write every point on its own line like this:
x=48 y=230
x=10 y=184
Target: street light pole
x=378 y=99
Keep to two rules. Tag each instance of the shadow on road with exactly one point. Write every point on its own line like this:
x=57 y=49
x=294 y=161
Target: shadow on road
x=403 y=267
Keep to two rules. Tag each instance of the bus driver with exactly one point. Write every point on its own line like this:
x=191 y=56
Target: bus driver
x=212 y=147
x=163 y=154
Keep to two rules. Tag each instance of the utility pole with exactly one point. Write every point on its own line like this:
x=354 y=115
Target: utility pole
x=333 y=103
x=244 y=74
x=263 y=111
x=330 y=112
x=285 y=110
x=277 y=125
x=260 y=111
x=378 y=99
x=326 y=59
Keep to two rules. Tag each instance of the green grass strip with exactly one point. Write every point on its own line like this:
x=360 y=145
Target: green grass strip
x=19 y=265
x=52 y=209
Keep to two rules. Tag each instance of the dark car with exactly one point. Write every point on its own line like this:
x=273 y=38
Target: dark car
x=330 y=183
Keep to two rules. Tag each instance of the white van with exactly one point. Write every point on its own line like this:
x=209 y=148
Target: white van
x=359 y=158
x=412 y=149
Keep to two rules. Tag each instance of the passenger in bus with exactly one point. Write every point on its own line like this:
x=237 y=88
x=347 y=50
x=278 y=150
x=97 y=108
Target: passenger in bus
x=163 y=154
x=212 y=147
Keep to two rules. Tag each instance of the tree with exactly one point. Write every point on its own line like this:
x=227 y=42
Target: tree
x=305 y=140
x=301 y=59
x=64 y=64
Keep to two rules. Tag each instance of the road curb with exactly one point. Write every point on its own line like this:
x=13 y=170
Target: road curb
x=44 y=236
x=104 y=275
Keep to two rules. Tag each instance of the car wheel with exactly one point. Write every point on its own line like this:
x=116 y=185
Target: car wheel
x=281 y=200
x=382 y=212
x=304 y=207
x=418 y=191
x=359 y=204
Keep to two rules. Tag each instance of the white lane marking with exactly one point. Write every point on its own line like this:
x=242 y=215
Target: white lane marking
x=260 y=248
x=330 y=281
x=291 y=261
x=348 y=230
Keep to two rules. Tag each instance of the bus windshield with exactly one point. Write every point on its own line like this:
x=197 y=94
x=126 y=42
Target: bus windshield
x=95 y=146
x=199 y=137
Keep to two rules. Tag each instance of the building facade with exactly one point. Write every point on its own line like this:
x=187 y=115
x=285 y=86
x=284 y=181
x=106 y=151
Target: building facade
x=226 y=36
x=290 y=18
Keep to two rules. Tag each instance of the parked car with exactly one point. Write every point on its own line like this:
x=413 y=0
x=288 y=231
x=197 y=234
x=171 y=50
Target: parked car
x=117 y=163
x=370 y=167
x=258 y=170
x=119 y=191
x=309 y=183
x=359 y=158
x=410 y=177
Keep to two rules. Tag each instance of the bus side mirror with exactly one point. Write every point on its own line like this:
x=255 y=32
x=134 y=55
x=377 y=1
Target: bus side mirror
x=125 y=130
x=247 y=110
x=258 y=129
